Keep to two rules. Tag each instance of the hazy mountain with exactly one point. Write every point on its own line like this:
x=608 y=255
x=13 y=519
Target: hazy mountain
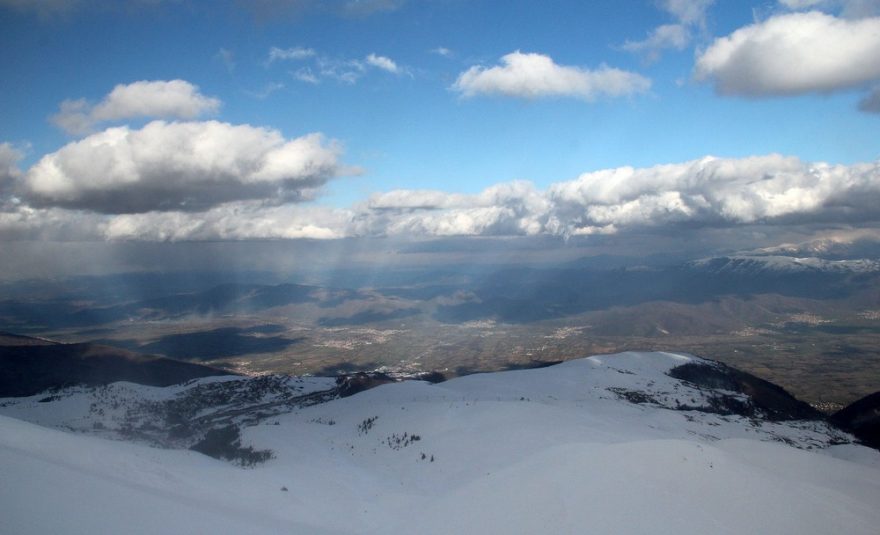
x=861 y=243
x=509 y=294
x=757 y=265
x=29 y=366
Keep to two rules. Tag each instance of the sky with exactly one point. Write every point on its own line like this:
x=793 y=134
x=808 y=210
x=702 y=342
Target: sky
x=180 y=121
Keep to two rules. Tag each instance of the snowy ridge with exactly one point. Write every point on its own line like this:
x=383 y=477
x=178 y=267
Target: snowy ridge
x=749 y=264
x=603 y=444
x=174 y=416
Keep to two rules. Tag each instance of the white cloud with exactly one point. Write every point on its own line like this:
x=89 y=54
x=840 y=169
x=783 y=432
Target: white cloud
x=718 y=192
x=234 y=221
x=535 y=75
x=442 y=51
x=188 y=166
x=689 y=14
x=305 y=74
x=383 y=62
x=346 y=71
x=144 y=99
x=713 y=192
x=675 y=36
x=320 y=67
x=794 y=54
x=22 y=222
x=297 y=53
x=266 y=90
x=407 y=200
x=772 y=191
x=513 y=208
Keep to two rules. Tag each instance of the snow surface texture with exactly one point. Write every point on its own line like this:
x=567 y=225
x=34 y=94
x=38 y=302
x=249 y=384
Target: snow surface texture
x=587 y=446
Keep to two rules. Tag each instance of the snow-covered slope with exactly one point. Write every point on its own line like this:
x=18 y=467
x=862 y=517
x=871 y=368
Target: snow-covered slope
x=754 y=264
x=609 y=444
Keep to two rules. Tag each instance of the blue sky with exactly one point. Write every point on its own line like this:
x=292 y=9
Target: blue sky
x=410 y=119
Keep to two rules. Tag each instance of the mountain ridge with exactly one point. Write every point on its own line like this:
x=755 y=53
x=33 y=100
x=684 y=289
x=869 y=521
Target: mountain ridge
x=29 y=366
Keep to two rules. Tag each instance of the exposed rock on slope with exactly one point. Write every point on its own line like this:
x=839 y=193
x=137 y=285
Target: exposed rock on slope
x=765 y=399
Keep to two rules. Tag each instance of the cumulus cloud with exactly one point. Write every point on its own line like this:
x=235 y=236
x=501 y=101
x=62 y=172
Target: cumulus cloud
x=793 y=54
x=383 y=62
x=714 y=191
x=188 y=166
x=22 y=222
x=529 y=75
x=712 y=194
x=514 y=208
x=144 y=99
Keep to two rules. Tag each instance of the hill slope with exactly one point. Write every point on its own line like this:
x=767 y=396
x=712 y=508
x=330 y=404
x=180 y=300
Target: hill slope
x=30 y=365
x=610 y=444
x=862 y=418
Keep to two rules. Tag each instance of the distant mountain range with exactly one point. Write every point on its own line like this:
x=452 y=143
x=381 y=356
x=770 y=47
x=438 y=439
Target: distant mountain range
x=758 y=265
x=516 y=295
x=30 y=366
